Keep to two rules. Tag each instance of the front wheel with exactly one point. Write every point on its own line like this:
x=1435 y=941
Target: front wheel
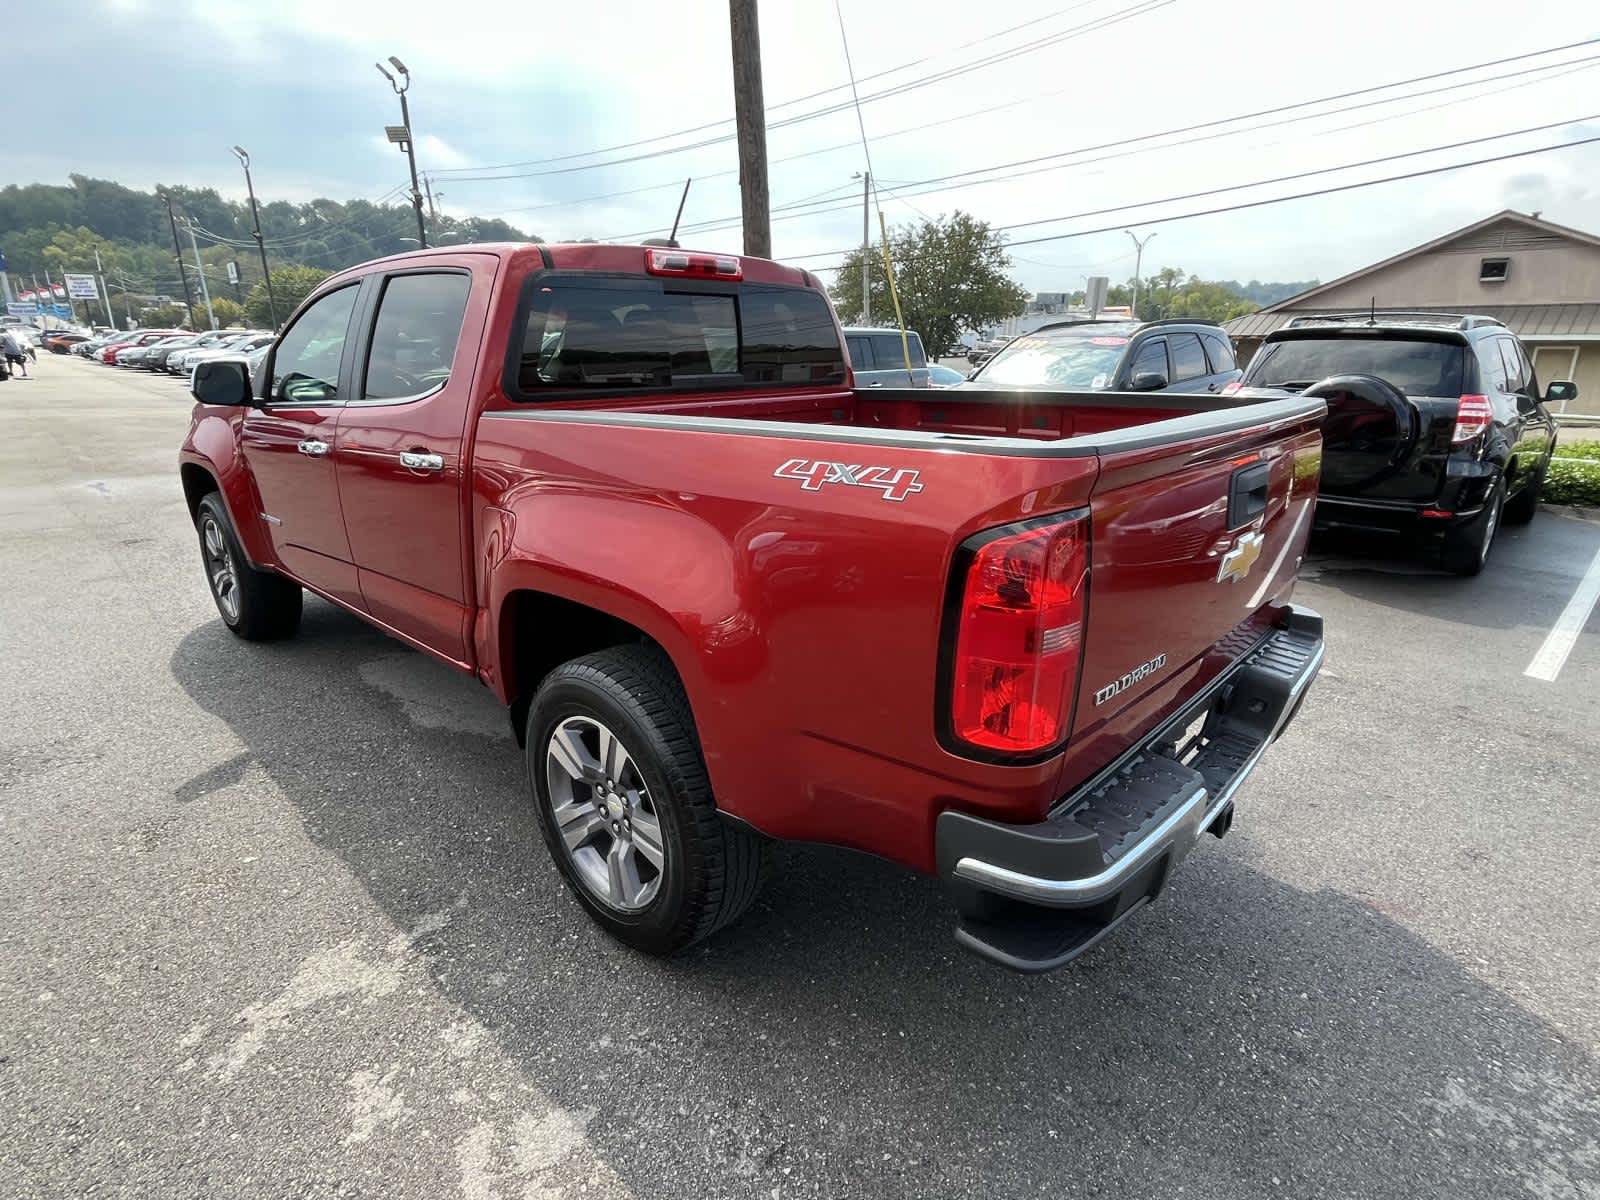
x=258 y=606
x=1466 y=548
x=625 y=806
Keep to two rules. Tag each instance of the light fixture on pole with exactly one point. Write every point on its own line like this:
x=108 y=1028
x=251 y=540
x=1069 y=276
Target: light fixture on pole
x=402 y=134
x=1138 y=262
x=255 y=220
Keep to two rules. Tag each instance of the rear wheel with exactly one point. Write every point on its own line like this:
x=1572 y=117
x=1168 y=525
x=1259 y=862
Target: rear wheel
x=1466 y=548
x=1524 y=506
x=258 y=606
x=625 y=806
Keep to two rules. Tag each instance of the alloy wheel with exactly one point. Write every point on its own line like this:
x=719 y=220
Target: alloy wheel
x=604 y=814
x=219 y=569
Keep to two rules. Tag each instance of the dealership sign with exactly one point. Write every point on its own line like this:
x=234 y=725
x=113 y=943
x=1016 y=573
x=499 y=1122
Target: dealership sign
x=81 y=287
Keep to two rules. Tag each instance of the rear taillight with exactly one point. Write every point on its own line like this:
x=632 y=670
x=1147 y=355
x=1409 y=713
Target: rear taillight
x=1018 y=635
x=693 y=265
x=1473 y=416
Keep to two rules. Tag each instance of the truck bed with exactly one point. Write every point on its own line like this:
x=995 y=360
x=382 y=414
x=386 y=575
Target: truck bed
x=1007 y=421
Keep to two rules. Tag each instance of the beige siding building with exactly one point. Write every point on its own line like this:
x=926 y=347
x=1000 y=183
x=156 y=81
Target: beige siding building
x=1541 y=279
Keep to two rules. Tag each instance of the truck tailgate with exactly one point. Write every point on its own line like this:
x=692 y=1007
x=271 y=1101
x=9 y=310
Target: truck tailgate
x=1194 y=551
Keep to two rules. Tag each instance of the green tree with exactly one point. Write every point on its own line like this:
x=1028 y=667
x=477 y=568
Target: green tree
x=227 y=312
x=167 y=316
x=290 y=285
x=951 y=275
x=1171 y=293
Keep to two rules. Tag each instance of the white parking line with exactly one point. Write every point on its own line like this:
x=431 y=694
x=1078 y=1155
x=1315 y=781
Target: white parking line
x=1552 y=656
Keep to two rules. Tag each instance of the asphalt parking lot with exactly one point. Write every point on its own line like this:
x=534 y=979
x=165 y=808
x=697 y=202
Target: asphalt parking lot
x=279 y=923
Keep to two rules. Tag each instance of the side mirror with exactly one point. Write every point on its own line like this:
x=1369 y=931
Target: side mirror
x=1561 y=391
x=1147 y=381
x=222 y=381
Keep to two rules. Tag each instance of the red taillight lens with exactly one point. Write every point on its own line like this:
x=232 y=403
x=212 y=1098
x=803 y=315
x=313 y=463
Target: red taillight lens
x=1019 y=637
x=1473 y=416
x=696 y=266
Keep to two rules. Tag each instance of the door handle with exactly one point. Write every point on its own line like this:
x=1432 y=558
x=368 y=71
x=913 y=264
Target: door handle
x=876 y=383
x=314 y=448
x=418 y=461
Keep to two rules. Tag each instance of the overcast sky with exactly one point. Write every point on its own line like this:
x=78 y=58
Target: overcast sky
x=142 y=91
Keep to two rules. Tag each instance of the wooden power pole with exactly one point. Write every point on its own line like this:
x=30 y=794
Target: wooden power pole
x=750 y=111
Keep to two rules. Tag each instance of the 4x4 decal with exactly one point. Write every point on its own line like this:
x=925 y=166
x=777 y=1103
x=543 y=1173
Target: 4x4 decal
x=896 y=483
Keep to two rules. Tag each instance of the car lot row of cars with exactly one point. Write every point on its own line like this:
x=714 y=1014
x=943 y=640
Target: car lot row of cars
x=174 y=351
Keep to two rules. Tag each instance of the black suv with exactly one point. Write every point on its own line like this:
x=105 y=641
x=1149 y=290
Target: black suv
x=1115 y=355
x=1436 y=425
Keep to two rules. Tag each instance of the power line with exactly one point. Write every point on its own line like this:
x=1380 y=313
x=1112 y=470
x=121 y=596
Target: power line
x=722 y=121
x=1227 y=208
x=726 y=222
x=1138 y=9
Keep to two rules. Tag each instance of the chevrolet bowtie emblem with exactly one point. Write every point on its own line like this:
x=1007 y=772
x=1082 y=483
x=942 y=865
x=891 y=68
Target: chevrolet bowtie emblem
x=1236 y=563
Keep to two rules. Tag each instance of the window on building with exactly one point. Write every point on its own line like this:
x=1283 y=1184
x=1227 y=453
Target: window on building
x=1494 y=270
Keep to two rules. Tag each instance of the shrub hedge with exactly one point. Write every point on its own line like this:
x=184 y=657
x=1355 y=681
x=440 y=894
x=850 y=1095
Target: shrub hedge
x=1574 y=476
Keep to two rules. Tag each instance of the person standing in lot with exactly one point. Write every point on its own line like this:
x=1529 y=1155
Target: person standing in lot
x=16 y=354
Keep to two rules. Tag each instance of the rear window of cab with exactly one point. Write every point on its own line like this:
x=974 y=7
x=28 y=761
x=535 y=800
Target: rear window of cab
x=594 y=333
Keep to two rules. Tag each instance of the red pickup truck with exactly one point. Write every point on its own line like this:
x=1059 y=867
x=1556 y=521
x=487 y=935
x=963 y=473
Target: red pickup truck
x=1032 y=642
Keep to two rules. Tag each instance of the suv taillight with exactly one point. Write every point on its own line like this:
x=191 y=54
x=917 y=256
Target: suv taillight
x=1019 y=634
x=1473 y=416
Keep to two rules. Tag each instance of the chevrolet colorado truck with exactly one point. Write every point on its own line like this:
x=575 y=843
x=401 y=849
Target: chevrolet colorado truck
x=1032 y=642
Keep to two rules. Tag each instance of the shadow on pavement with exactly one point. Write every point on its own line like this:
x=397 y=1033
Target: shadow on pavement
x=1242 y=1037
x=1527 y=580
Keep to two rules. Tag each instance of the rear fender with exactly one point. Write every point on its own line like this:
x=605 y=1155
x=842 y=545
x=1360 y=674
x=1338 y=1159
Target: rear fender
x=658 y=569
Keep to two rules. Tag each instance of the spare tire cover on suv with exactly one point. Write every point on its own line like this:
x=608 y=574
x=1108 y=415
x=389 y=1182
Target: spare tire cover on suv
x=1368 y=435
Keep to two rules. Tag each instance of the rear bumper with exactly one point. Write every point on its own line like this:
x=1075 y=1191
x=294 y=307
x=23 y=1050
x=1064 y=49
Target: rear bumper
x=1461 y=496
x=1033 y=897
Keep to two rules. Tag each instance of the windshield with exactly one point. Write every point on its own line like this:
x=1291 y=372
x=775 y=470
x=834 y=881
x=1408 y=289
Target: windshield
x=1057 y=361
x=1417 y=368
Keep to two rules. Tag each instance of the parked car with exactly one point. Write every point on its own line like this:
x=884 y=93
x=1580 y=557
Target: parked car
x=139 y=356
x=1436 y=423
x=237 y=347
x=136 y=340
x=943 y=377
x=878 y=357
x=985 y=349
x=156 y=356
x=1115 y=355
x=63 y=341
x=223 y=341
x=894 y=636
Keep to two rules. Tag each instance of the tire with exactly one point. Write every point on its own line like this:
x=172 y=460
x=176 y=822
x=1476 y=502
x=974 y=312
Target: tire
x=657 y=799
x=258 y=606
x=1466 y=548
x=1524 y=506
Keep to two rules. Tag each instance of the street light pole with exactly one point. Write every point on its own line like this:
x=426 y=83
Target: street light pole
x=400 y=90
x=866 y=248
x=255 y=220
x=1138 y=263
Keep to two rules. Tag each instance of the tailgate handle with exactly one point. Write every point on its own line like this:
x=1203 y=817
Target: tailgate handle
x=1247 y=494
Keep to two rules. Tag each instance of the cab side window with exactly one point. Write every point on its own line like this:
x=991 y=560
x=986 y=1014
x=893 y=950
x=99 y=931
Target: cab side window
x=1188 y=360
x=1220 y=353
x=305 y=368
x=414 y=339
x=1151 y=360
x=860 y=353
x=1516 y=370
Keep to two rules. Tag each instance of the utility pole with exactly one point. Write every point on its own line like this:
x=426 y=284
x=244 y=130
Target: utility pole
x=751 y=115
x=177 y=257
x=866 y=248
x=200 y=270
x=255 y=220
x=427 y=190
x=400 y=90
x=1138 y=263
x=105 y=292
